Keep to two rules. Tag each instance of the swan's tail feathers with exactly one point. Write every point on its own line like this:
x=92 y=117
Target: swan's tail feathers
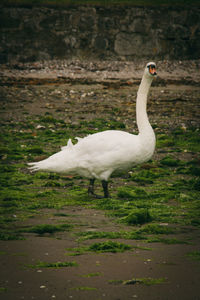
x=60 y=162
x=69 y=145
x=34 y=166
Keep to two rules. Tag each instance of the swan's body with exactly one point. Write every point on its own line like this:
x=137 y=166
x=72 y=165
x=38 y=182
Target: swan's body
x=98 y=155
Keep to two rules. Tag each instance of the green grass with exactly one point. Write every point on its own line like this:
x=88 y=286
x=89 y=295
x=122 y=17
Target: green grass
x=128 y=235
x=137 y=216
x=10 y=236
x=3 y=289
x=156 y=229
x=167 y=241
x=55 y=265
x=141 y=233
x=146 y=281
x=170 y=161
x=101 y=247
x=194 y=255
x=98 y=235
x=90 y=275
x=84 y=288
x=109 y=246
x=47 y=228
x=180 y=140
x=12 y=233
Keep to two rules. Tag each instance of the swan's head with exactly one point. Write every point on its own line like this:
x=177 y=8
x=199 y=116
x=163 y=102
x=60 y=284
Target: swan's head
x=150 y=69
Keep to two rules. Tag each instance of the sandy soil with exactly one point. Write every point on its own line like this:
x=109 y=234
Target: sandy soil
x=163 y=261
x=182 y=275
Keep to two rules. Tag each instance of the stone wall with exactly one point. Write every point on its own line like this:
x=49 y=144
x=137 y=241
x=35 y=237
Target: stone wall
x=41 y=33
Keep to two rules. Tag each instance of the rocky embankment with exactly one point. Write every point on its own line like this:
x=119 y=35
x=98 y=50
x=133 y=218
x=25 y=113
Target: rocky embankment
x=122 y=72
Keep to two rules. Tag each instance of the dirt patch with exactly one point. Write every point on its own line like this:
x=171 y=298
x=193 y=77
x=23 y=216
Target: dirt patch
x=97 y=276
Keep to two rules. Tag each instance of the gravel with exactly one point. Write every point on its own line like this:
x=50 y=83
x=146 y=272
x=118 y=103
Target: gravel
x=98 y=71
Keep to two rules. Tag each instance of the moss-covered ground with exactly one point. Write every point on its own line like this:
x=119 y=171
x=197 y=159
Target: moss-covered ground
x=154 y=203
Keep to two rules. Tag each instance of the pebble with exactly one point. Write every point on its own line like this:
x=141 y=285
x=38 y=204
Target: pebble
x=83 y=95
x=40 y=127
x=72 y=92
x=164 y=224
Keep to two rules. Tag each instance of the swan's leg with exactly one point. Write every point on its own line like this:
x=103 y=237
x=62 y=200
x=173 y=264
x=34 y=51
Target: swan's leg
x=105 y=188
x=91 y=187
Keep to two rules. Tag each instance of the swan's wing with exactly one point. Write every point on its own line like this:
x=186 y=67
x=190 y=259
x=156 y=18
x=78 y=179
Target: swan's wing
x=106 y=142
x=108 y=148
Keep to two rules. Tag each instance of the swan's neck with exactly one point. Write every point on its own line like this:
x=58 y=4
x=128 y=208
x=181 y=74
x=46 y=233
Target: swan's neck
x=143 y=124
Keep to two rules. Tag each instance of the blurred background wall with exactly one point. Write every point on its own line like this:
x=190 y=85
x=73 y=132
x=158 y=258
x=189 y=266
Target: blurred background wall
x=109 y=33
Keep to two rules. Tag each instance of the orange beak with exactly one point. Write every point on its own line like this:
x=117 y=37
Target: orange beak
x=152 y=70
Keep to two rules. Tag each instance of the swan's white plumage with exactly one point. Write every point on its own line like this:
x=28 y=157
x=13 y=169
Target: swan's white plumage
x=100 y=154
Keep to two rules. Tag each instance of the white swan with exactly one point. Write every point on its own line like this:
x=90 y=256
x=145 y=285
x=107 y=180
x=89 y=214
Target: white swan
x=98 y=155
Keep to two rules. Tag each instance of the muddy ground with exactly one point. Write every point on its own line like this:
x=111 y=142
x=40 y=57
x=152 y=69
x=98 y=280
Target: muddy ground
x=148 y=270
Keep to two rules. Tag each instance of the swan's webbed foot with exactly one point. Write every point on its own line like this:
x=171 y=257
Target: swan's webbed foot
x=91 y=189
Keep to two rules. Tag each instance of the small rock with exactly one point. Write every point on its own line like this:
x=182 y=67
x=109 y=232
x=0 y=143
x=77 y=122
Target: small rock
x=83 y=95
x=40 y=127
x=164 y=224
x=91 y=93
